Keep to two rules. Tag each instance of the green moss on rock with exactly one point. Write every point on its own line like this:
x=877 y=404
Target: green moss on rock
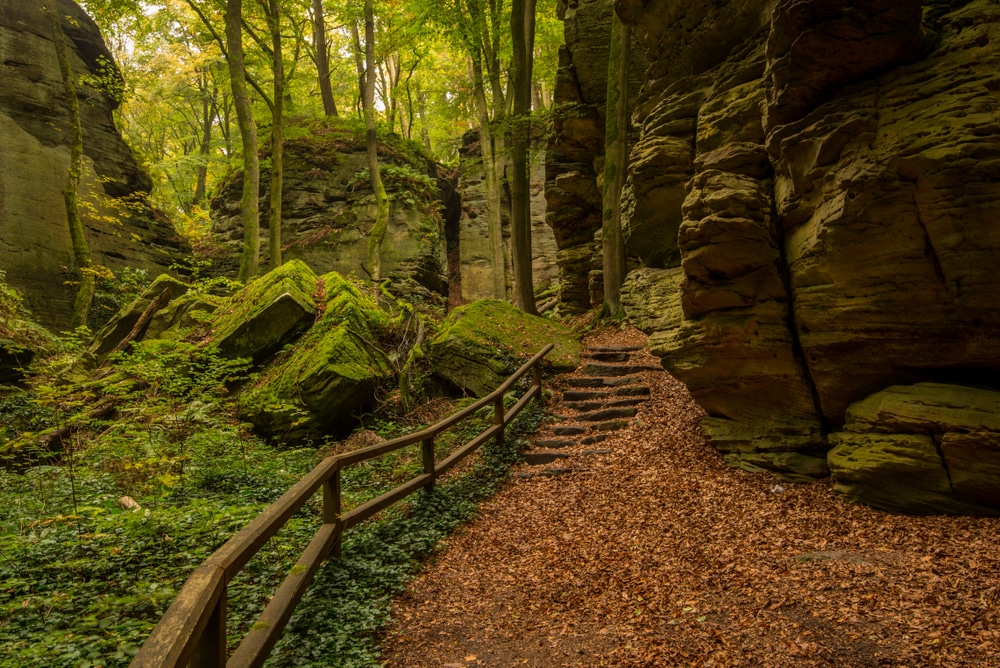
x=331 y=374
x=268 y=313
x=122 y=323
x=482 y=343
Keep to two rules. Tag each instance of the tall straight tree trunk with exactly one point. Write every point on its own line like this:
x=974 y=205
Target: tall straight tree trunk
x=277 y=137
x=249 y=262
x=615 y=164
x=494 y=219
x=425 y=134
x=209 y=109
x=381 y=226
x=359 y=64
x=323 y=59
x=81 y=251
x=522 y=28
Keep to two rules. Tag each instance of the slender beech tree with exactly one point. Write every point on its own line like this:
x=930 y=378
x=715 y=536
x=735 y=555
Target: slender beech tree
x=249 y=262
x=322 y=58
x=277 y=134
x=81 y=250
x=522 y=29
x=381 y=226
x=615 y=164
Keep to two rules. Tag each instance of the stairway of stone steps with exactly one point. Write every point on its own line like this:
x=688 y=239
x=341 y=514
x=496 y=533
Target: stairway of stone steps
x=602 y=399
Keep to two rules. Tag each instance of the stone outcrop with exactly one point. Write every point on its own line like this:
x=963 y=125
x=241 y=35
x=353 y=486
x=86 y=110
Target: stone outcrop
x=35 y=248
x=480 y=344
x=328 y=209
x=928 y=447
x=576 y=147
x=331 y=374
x=812 y=194
x=474 y=264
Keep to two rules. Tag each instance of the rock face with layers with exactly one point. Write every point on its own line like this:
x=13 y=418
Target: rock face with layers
x=575 y=152
x=328 y=210
x=35 y=244
x=828 y=173
x=472 y=246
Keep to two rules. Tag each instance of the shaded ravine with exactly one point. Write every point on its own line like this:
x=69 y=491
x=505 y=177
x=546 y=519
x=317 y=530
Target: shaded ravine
x=654 y=553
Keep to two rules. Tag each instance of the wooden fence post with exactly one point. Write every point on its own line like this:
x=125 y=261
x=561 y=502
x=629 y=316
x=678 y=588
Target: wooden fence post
x=428 y=450
x=498 y=419
x=331 y=508
x=536 y=380
x=210 y=652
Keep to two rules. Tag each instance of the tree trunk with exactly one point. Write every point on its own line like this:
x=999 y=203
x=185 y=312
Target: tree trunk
x=209 y=109
x=249 y=262
x=615 y=163
x=359 y=64
x=494 y=220
x=522 y=27
x=425 y=134
x=381 y=226
x=277 y=137
x=81 y=251
x=323 y=59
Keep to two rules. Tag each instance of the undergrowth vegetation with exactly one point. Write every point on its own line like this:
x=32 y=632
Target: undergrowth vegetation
x=138 y=474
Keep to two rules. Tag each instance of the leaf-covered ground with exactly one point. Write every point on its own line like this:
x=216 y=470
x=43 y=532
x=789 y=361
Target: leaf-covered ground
x=660 y=555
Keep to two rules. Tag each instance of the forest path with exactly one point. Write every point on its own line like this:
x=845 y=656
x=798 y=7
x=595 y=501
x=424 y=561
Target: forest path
x=652 y=552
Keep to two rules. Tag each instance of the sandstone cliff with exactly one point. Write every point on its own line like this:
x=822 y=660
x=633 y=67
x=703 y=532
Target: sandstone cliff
x=576 y=148
x=813 y=195
x=35 y=246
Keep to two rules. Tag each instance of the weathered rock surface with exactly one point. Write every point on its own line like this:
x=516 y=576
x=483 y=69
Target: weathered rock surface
x=480 y=344
x=270 y=312
x=159 y=295
x=828 y=173
x=328 y=209
x=474 y=266
x=331 y=374
x=924 y=448
x=34 y=161
x=576 y=146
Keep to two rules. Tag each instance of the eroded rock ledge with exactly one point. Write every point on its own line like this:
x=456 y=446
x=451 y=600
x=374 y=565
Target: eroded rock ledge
x=813 y=194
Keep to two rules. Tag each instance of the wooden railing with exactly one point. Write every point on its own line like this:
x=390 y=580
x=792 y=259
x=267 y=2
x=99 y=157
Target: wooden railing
x=193 y=630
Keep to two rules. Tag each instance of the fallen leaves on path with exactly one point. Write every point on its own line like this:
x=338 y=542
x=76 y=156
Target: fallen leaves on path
x=657 y=554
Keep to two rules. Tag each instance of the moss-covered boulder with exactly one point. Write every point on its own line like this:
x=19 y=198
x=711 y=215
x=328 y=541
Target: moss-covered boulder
x=929 y=448
x=480 y=344
x=331 y=374
x=182 y=315
x=158 y=295
x=268 y=313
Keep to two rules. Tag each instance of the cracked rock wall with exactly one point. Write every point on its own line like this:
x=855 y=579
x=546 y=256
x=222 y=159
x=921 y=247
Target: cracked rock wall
x=816 y=185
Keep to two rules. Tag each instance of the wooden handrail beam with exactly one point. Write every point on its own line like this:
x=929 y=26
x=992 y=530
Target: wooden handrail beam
x=193 y=628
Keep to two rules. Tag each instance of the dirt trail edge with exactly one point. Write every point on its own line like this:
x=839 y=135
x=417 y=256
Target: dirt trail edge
x=654 y=553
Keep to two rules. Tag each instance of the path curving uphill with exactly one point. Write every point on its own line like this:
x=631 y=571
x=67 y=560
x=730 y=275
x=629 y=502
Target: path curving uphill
x=651 y=552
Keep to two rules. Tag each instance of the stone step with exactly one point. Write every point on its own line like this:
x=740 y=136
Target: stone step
x=608 y=357
x=615 y=370
x=615 y=349
x=585 y=395
x=554 y=443
x=569 y=430
x=584 y=405
x=591 y=453
x=593 y=439
x=618 y=382
x=584 y=382
x=618 y=403
x=611 y=425
x=607 y=414
x=636 y=391
x=542 y=458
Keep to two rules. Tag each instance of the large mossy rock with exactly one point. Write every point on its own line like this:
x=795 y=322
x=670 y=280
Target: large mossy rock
x=274 y=309
x=928 y=448
x=480 y=344
x=331 y=374
x=161 y=292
